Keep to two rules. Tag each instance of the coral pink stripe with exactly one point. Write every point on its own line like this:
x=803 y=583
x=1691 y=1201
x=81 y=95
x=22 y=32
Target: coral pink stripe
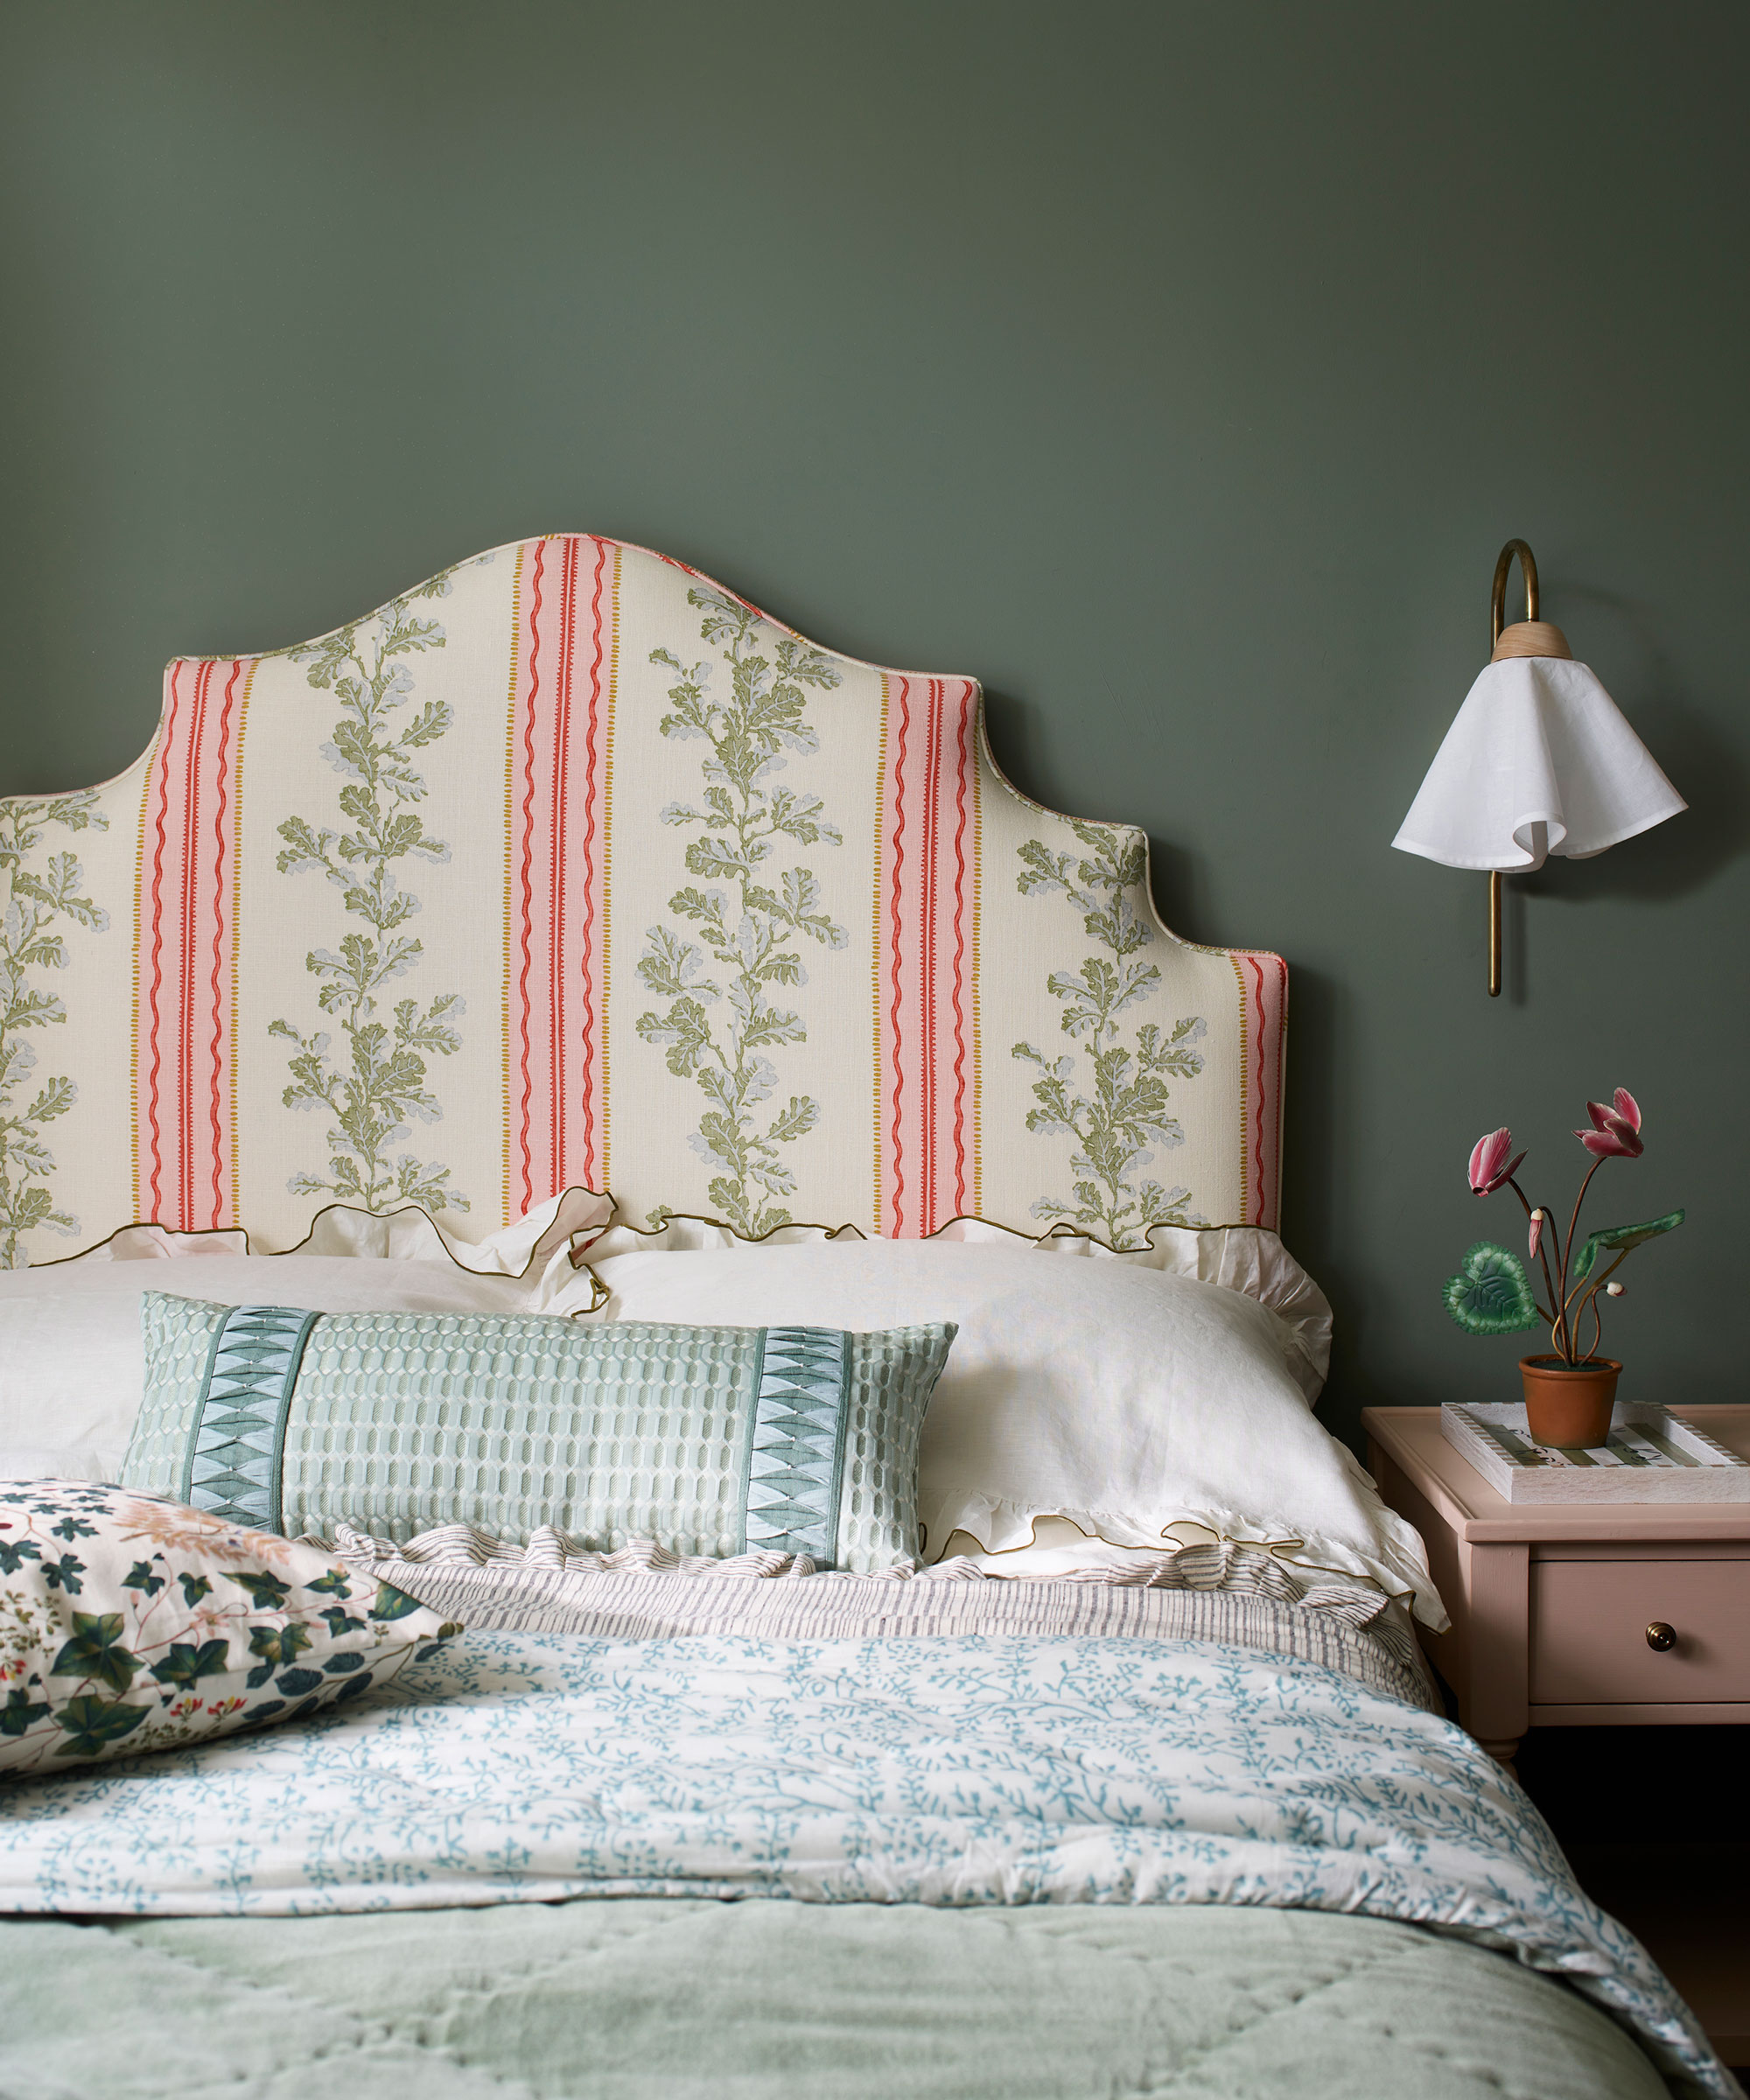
x=927 y=957
x=586 y=1166
x=926 y=881
x=557 y=847
x=558 y=1099
x=183 y=1099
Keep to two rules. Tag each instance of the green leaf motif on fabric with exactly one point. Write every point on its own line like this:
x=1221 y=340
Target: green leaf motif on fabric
x=162 y=1654
x=1621 y=1239
x=276 y=1646
x=1113 y=1104
x=66 y=1573
x=21 y=1712
x=96 y=1650
x=31 y=941
x=393 y=1603
x=188 y=1661
x=1492 y=1294
x=373 y=1088
x=721 y=1018
x=91 y=1723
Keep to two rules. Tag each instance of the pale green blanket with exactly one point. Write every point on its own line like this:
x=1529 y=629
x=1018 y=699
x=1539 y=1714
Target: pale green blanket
x=648 y=1998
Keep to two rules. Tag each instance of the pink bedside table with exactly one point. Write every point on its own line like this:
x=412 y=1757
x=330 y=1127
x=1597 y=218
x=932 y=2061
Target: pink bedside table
x=1552 y=1604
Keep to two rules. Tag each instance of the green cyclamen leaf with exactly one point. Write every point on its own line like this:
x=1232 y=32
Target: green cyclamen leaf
x=1492 y=1295
x=267 y=1592
x=140 y=1577
x=92 y=1724
x=95 y=1651
x=194 y=1587
x=393 y=1604
x=1619 y=1239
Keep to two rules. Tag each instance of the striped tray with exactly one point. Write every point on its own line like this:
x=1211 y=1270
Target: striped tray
x=1651 y=1457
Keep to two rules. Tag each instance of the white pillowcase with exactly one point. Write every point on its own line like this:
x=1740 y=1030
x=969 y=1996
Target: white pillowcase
x=1120 y=1393
x=72 y=1356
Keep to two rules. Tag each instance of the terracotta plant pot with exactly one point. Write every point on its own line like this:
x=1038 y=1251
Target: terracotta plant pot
x=1570 y=1405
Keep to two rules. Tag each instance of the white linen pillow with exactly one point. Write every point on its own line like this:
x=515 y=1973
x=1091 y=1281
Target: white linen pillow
x=72 y=1353
x=1125 y=1398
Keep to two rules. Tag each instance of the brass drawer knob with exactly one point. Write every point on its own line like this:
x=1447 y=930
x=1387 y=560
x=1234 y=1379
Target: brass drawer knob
x=1661 y=1637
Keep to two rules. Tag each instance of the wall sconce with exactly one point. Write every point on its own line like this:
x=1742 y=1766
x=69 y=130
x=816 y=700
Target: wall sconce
x=1539 y=760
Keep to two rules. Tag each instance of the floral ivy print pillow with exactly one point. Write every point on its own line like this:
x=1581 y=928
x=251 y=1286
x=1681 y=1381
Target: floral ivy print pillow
x=128 y=1622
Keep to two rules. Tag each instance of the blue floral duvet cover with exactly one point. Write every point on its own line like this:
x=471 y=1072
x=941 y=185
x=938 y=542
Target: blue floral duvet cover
x=967 y=1770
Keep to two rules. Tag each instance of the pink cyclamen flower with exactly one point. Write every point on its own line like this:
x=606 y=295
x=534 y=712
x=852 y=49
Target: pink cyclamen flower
x=1616 y=1131
x=1536 y=1232
x=1490 y=1167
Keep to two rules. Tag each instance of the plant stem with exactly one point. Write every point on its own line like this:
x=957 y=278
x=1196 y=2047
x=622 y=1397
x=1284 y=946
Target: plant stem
x=1544 y=1257
x=1591 y=1298
x=1568 y=1248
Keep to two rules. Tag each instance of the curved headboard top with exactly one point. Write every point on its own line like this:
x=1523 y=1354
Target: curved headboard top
x=571 y=867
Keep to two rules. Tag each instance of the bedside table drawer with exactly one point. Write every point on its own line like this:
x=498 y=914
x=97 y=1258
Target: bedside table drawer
x=1588 y=1632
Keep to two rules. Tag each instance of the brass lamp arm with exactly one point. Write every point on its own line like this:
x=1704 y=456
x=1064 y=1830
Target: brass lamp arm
x=1529 y=637
x=1497 y=607
x=1497 y=602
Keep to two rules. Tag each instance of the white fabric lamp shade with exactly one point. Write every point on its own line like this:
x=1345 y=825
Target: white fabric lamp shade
x=1539 y=760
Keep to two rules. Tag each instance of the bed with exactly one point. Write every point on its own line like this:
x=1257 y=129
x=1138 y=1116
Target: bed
x=752 y=1252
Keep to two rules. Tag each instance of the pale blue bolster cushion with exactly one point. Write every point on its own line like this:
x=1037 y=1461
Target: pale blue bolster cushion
x=713 y=1441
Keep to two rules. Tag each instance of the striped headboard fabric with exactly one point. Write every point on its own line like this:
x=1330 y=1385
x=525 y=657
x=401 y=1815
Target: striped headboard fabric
x=570 y=867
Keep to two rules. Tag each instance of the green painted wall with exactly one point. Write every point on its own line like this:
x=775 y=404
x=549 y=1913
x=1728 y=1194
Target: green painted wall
x=1176 y=369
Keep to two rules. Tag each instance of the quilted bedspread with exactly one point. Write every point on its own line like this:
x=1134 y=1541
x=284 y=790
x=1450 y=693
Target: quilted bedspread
x=965 y=1772
x=658 y=1998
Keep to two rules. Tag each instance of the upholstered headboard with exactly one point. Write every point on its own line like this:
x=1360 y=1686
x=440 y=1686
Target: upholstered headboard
x=571 y=866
